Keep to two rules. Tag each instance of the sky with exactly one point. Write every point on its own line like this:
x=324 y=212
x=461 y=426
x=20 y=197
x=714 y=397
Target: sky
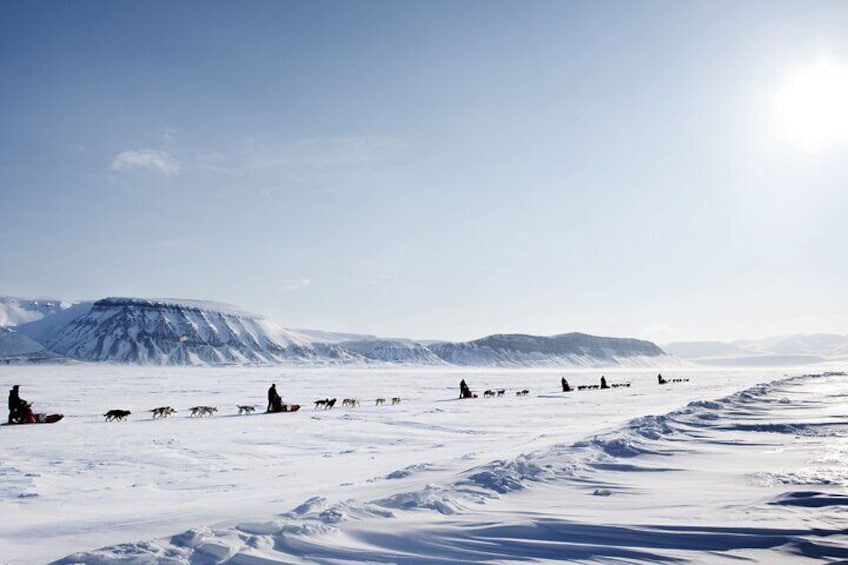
x=434 y=170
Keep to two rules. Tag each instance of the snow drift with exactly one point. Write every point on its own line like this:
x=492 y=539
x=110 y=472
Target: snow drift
x=680 y=486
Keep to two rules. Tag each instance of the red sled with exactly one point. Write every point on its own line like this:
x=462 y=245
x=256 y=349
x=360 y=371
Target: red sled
x=39 y=419
x=286 y=408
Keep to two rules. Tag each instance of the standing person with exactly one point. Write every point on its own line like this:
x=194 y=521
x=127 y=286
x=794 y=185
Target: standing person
x=604 y=382
x=16 y=406
x=274 y=399
x=464 y=392
x=565 y=386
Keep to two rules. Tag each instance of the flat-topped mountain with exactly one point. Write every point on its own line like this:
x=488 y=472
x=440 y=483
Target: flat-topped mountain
x=193 y=332
x=182 y=332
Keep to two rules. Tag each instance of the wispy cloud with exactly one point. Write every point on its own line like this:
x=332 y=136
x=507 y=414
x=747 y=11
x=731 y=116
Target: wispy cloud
x=153 y=160
x=330 y=164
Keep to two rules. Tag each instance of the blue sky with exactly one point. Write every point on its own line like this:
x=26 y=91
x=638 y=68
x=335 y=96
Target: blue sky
x=434 y=169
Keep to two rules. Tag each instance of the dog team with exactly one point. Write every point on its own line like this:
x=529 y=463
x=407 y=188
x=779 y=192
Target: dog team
x=662 y=381
x=275 y=403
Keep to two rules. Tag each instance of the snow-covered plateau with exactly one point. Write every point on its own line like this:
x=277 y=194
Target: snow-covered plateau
x=728 y=466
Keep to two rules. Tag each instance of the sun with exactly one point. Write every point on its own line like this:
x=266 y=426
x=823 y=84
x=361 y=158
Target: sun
x=811 y=106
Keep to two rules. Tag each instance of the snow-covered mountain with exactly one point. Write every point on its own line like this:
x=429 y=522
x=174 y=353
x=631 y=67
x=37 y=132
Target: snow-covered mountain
x=15 y=311
x=321 y=336
x=394 y=351
x=18 y=348
x=830 y=346
x=704 y=350
x=41 y=330
x=566 y=349
x=781 y=350
x=192 y=332
x=181 y=332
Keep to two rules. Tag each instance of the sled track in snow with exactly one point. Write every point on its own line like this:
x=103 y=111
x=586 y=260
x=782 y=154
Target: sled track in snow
x=472 y=518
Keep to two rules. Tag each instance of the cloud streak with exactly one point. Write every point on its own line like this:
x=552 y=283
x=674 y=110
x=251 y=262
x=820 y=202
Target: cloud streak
x=153 y=160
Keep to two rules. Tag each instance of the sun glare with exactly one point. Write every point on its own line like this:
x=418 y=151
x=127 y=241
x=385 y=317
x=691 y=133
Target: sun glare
x=811 y=106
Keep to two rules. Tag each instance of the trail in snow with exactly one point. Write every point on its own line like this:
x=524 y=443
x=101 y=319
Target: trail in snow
x=588 y=476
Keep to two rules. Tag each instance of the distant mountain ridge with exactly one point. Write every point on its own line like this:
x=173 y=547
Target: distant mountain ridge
x=15 y=311
x=801 y=349
x=565 y=349
x=193 y=332
x=16 y=347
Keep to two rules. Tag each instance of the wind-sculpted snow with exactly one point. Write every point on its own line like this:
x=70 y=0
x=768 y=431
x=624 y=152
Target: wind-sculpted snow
x=678 y=487
x=811 y=499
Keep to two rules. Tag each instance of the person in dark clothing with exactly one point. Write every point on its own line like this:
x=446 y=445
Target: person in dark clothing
x=464 y=391
x=18 y=407
x=565 y=386
x=604 y=382
x=661 y=380
x=275 y=403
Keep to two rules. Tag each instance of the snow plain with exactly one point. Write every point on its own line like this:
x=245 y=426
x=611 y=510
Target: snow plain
x=732 y=465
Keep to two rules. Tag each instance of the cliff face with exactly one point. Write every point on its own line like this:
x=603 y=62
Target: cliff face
x=162 y=332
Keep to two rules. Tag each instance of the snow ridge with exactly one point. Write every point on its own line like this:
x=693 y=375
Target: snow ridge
x=447 y=522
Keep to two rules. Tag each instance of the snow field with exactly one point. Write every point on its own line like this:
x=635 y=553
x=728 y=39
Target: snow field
x=605 y=476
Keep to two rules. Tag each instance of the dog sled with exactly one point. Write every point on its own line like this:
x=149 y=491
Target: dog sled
x=285 y=408
x=37 y=419
x=30 y=417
